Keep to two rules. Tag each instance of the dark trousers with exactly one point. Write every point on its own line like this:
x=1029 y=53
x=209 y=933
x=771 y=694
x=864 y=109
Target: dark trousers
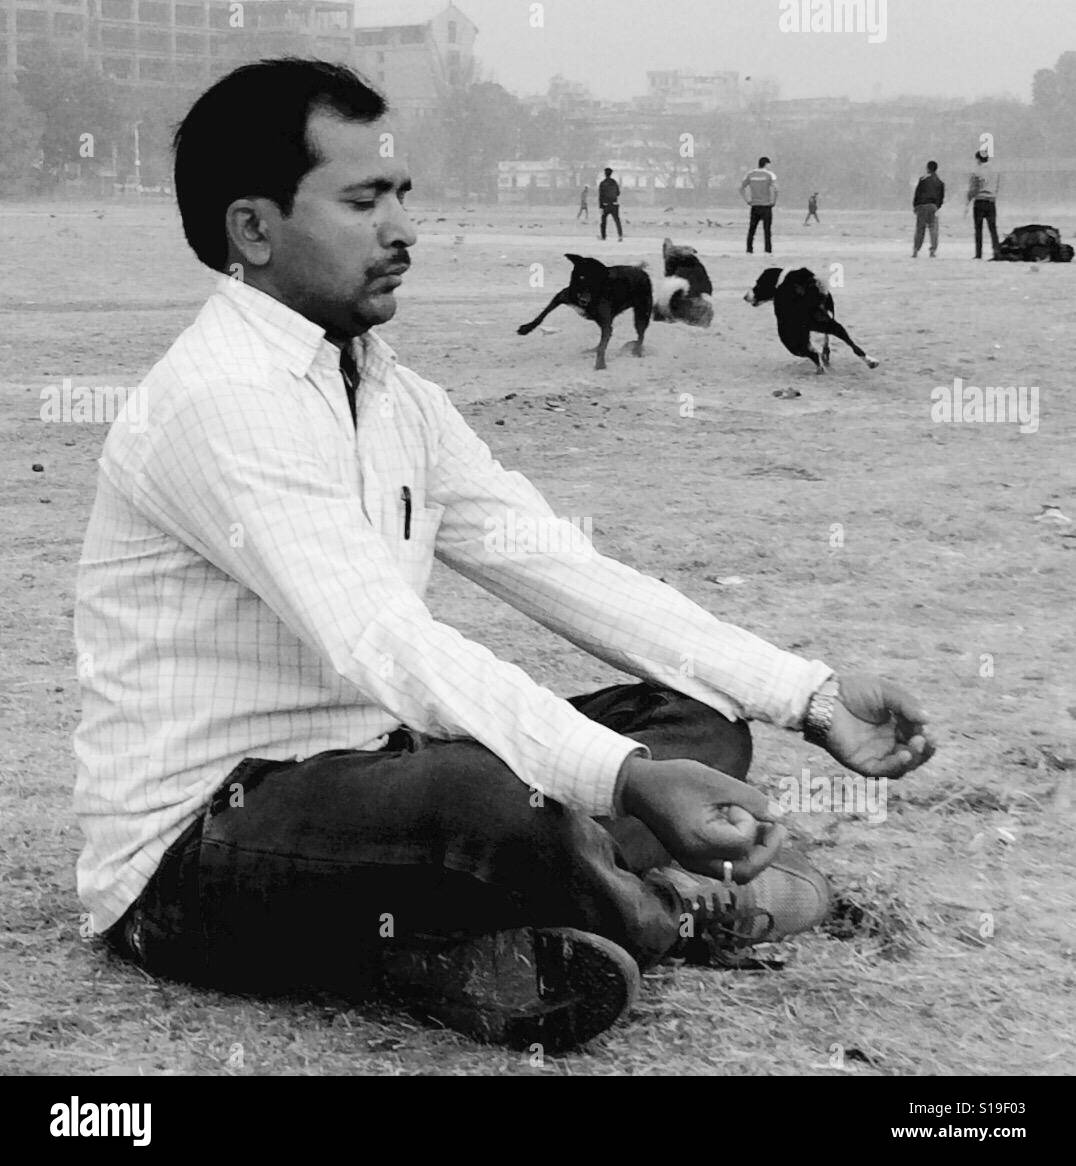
x=763 y=215
x=926 y=217
x=985 y=211
x=612 y=212
x=299 y=872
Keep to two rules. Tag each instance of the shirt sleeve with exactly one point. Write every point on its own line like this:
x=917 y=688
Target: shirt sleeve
x=500 y=532
x=233 y=478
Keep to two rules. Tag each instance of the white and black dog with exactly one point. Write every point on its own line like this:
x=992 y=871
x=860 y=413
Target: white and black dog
x=802 y=304
x=684 y=295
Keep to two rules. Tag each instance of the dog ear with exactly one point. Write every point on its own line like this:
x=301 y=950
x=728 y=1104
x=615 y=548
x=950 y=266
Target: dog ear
x=574 y=260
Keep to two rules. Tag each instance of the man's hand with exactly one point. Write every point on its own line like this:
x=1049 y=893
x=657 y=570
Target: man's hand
x=703 y=817
x=878 y=729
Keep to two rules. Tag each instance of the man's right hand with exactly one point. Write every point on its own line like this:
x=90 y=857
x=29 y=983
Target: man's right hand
x=703 y=817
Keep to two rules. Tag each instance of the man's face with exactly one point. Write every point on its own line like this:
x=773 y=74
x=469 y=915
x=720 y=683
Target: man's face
x=341 y=253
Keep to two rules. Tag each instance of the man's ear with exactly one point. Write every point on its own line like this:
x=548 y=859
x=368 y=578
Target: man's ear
x=247 y=229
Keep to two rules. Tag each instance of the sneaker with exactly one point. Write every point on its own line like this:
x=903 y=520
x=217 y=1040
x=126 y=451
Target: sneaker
x=788 y=897
x=554 y=987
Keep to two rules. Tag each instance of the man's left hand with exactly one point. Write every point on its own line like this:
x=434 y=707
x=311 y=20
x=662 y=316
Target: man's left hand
x=878 y=729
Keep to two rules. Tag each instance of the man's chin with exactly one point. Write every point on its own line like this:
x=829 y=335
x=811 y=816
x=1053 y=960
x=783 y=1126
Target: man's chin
x=377 y=309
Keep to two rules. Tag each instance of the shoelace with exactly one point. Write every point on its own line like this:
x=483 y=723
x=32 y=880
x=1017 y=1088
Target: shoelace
x=714 y=914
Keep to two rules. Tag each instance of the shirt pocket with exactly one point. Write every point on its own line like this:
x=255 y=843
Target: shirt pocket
x=415 y=554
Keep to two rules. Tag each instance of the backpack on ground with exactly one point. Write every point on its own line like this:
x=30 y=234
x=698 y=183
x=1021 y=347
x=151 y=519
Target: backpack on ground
x=1035 y=243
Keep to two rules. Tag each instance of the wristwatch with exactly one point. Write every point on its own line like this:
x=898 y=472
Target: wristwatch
x=819 y=718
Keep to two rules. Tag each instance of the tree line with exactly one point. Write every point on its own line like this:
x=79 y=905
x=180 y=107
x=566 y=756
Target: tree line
x=58 y=114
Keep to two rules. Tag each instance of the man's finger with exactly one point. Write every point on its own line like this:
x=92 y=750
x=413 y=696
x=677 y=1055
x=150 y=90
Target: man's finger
x=895 y=764
x=731 y=792
x=905 y=707
x=771 y=839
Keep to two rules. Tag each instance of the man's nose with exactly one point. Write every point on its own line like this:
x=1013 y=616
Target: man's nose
x=397 y=230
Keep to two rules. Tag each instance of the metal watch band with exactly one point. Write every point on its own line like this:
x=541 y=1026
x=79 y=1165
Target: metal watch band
x=819 y=718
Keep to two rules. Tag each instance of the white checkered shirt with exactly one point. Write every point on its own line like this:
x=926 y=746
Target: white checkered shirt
x=246 y=589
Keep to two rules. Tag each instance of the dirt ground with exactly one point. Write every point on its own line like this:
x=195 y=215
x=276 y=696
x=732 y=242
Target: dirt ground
x=860 y=531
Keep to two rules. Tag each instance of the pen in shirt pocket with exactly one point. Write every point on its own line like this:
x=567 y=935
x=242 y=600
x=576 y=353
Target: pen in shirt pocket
x=405 y=493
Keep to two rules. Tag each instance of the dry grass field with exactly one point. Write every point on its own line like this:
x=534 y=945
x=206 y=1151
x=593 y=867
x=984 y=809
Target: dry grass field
x=861 y=531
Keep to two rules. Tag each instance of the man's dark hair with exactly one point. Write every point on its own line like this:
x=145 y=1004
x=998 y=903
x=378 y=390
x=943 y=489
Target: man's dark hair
x=608 y=172
x=246 y=137
x=982 y=155
x=764 y=161
x=932 y=167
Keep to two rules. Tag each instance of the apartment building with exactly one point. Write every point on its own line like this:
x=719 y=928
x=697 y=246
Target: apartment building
x=412 y=49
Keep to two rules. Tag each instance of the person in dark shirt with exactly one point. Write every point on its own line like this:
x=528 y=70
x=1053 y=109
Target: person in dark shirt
x=609 y=201
x=812 y=209
x=928 y=200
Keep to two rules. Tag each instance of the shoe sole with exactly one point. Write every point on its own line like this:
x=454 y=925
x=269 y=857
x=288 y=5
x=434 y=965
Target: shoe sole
x=553 y=987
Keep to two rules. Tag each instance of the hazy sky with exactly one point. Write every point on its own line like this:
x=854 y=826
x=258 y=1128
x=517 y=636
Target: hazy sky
x=966 y=48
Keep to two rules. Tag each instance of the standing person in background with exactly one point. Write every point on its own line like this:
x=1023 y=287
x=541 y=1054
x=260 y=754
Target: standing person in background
x=759 y=190
x=609 y=202
x=927 y=201
x=812 y=209
x=983 y=196
x=584 y=209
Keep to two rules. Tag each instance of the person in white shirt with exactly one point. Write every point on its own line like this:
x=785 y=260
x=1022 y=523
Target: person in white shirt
x=984 y=185
x=759 y=191
x=290 y=773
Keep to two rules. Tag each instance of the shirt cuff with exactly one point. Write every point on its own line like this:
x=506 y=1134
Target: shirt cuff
x=586 y=767
x=815 y=675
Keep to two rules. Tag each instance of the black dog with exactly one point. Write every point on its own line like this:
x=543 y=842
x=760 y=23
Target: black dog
x=684 y=295
x=802 y=305
x=601 y=293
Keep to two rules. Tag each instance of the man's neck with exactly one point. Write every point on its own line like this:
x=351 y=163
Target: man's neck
x=268 y=287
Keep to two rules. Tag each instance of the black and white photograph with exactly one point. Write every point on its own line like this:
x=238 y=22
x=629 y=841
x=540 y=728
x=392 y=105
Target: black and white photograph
x=539 y=540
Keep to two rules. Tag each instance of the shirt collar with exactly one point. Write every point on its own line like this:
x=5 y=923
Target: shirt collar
x=299 y=341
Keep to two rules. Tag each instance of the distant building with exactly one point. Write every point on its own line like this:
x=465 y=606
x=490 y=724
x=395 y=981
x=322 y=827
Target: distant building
x=675 y=91
x=414 y=50
x=550 y=180
x=554 y=181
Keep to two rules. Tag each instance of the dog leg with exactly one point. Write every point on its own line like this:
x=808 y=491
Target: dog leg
x=643 y=313
x=606 y=324
x=560 y=298
x=838 y=331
